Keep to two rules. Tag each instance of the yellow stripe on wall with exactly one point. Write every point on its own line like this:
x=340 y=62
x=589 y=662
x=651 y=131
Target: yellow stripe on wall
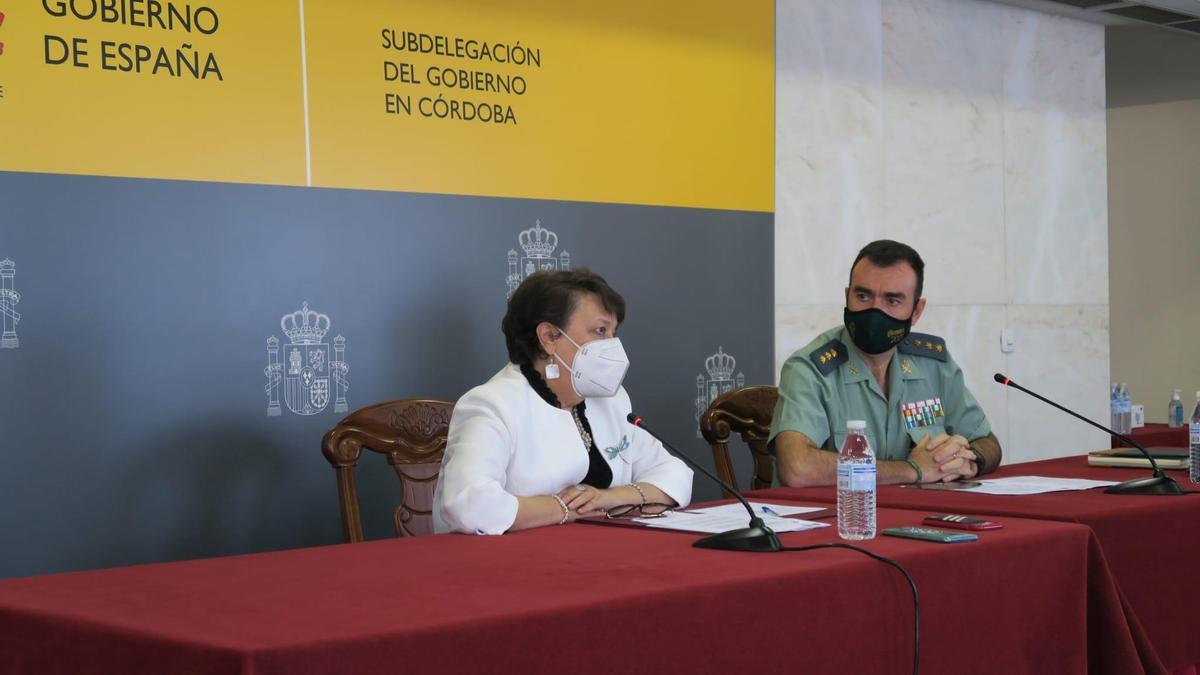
x=112 y=112
x=666 y=102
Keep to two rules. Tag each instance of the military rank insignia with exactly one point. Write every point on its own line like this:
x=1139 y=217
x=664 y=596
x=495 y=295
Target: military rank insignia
x=923 y=413
x=829 y=356
x=922 y=344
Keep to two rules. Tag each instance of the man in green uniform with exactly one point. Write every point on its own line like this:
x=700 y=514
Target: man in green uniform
x=922 y=422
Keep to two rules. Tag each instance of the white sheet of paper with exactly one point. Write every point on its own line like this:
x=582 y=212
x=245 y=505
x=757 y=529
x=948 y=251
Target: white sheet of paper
x=736 y=508
x=690 y=521
x=1032 y=485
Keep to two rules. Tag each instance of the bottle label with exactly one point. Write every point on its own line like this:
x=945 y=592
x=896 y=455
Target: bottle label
x=1195 y=434
x=856 y=477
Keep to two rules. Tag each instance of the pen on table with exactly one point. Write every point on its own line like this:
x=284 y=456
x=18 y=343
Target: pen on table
x=771 y=511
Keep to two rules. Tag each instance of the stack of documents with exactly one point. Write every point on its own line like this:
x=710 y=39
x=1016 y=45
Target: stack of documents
x=727 y=517
x=1032 y=485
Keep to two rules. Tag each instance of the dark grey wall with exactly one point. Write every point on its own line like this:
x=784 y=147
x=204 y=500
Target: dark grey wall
x=133 y=416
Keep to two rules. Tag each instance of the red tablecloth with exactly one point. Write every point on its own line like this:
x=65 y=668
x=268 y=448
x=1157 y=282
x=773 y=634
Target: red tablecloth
x=1152 y=544
x=1036 y=597
x=1156 y=435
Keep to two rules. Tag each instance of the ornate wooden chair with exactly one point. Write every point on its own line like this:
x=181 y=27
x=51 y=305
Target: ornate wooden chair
x=746 y=411
x=412 y=433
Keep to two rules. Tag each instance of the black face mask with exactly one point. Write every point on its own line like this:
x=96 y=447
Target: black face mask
x=873 y=331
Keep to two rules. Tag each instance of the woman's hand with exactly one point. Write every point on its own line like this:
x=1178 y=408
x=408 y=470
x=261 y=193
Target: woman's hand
x=585 y=500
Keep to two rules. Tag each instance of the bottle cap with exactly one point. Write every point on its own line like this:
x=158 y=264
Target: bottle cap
x=1176 y=394
x=861 y=425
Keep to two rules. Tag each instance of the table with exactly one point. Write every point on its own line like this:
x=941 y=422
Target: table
x=1152 y=544
x=1158 y=435
x=588 y=599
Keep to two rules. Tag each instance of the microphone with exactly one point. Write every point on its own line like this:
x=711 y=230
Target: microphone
x=1158 y=484
x=758 y=537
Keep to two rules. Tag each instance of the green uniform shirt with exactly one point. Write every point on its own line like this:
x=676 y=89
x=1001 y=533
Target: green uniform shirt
x=827 y=383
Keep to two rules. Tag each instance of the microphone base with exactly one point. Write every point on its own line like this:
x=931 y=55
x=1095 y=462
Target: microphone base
x=1154 y=485
x=753 y=539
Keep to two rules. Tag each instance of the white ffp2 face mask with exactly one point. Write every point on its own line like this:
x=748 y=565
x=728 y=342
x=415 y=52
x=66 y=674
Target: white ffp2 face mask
x=600 y=367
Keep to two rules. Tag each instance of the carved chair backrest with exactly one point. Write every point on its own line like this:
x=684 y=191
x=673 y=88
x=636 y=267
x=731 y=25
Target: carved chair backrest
x=746 y=411
x=411 y=433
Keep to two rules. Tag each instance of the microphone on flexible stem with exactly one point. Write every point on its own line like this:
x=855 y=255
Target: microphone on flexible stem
x=1158 y=484
x=758 y=537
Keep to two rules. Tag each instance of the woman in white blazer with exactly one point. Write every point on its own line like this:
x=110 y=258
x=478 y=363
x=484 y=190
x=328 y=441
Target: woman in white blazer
x=546 y=440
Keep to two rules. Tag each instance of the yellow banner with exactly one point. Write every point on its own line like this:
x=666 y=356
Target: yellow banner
x=199 y=91
x=626 y=101
x=618 y=101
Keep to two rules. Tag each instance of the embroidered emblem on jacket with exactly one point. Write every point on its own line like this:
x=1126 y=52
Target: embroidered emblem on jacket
x=617 y=449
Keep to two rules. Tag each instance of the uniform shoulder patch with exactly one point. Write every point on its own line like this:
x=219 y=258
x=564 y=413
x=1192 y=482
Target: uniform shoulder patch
x=923 y=344
x=829 y=356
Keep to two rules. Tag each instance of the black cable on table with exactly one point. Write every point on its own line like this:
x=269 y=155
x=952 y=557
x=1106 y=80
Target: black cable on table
x=887 y=561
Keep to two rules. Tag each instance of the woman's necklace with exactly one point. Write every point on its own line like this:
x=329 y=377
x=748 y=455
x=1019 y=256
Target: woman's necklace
x=583 y=434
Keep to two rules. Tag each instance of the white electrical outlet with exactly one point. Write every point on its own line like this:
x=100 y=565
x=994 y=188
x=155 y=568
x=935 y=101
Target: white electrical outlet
x=1008 y=344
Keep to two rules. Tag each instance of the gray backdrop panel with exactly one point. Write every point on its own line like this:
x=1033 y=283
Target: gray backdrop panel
x=133 y=421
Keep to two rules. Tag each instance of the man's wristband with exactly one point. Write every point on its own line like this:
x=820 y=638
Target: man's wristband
x=980 y=462
x=920 y=476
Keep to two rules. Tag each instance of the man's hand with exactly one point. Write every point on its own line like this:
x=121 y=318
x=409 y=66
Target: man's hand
x=944 y=458
x=954 y=457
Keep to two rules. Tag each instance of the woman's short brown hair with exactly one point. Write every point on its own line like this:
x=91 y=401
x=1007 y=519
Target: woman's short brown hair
x=551 y=297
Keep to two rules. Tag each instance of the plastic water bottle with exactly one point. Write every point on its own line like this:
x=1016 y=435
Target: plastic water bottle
x=1114 y=407
x=856 y=484
x=1175 y=410
x=1126 y=409
x=1193 y=443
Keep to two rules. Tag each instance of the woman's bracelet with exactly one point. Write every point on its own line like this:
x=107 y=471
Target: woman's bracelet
x=920 y=476
x=566 y=511
x=637 y=487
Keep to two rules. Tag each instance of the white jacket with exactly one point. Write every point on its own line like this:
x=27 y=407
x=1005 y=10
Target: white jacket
x=506 y=442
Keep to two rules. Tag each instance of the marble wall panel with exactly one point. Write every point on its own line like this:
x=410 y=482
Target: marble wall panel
x=1055 y=151
x=828 y=169
x=943 y=151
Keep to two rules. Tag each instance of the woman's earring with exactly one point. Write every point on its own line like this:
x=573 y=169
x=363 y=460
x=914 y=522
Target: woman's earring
x=552 y=371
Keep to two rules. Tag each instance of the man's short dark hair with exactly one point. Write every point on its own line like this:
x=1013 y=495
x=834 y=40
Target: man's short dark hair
x=885 y=253
x=551 y=297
